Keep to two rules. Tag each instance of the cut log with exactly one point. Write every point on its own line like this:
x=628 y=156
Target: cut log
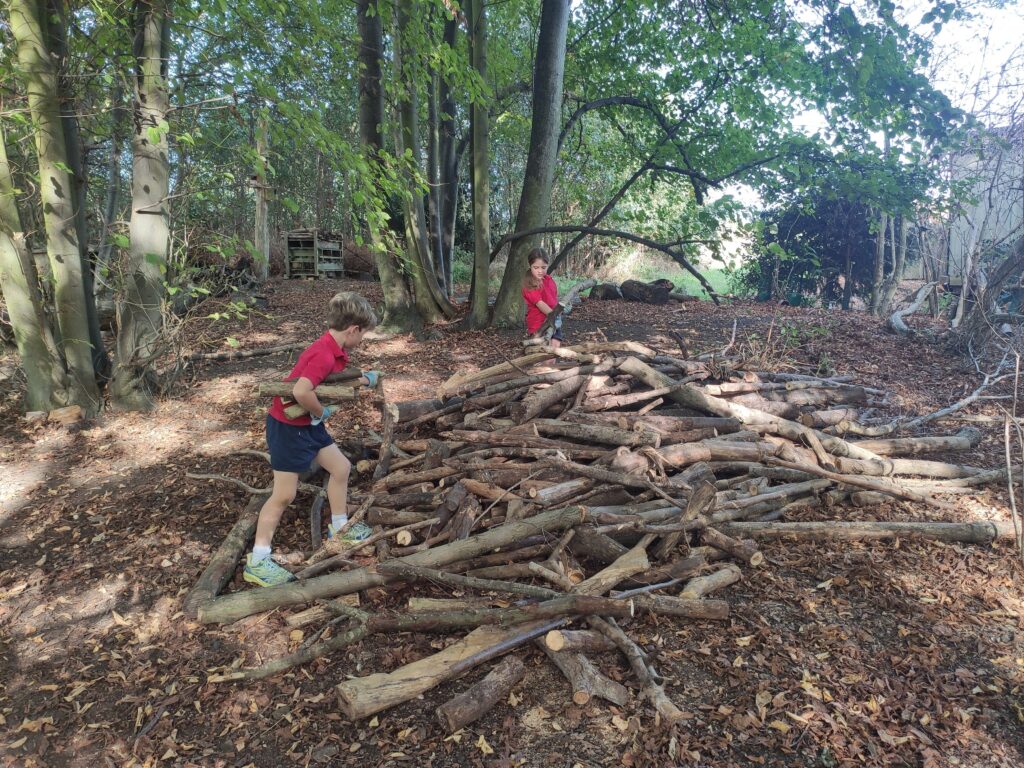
x=591 y=545
x=699 y=586
x=480 y=698
x=586 y=433
x=585 y=678
x=578 y=640
x=241 y=604
x=743 y=550
x=221 y=567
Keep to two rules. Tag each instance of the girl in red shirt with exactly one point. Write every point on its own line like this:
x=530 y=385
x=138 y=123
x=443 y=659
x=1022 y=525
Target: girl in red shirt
x=541 y=295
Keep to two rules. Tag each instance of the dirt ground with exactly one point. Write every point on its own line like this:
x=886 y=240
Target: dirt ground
x=897 y=653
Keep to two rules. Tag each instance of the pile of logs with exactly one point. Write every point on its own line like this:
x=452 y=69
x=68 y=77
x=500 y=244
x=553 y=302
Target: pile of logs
x=559 y=496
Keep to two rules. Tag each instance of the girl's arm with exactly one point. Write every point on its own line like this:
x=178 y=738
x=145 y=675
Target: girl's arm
x=543 y=307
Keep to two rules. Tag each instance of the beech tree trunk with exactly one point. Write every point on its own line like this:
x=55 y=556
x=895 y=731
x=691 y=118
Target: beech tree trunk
x=399 y=312
x=480 y=169
x=535 y=200
x=19 y=283
x=139 y=312
x=62 y=247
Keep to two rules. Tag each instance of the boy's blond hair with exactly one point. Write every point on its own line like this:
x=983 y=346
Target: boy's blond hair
x=348 y=309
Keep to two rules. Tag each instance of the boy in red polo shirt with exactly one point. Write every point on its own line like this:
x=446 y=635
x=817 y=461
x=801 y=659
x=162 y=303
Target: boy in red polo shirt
x=295 y=443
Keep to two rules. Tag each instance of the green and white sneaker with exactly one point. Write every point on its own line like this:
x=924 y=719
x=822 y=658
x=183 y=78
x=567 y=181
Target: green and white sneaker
x=265 y=572
x=358 y=532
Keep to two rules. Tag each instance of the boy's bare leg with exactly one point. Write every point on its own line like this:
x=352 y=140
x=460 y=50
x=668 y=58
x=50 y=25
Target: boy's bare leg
x=555 y=343
x=333 y=460
x=286 y=484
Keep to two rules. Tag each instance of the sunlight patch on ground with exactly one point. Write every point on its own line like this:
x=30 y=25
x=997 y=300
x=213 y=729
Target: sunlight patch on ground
x=17 y=482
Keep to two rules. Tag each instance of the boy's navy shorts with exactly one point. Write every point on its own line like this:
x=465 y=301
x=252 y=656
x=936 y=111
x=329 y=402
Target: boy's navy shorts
x=292 y=449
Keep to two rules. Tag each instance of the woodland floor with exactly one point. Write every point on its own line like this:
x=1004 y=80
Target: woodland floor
x=897 y=653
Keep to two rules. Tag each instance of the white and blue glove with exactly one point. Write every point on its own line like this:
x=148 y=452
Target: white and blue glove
x=328 y=410
x=372 y=377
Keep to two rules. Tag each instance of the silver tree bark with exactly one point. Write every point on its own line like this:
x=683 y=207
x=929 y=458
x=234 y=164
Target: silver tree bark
x=535 y=200
x=56 y=192
x=142 y=289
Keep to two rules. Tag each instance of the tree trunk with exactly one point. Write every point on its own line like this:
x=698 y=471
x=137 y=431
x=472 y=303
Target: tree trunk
x=399 y=311
x=118 y=116
x=261 y=238
x=535 y=200
x=434 y=182
x=139 y=314
x=899 y=262
x=19 y=284
x=879 y=265
x=448 y=161
x=430 y=303
x=480 y=170
x=56 y=184
x=56 y=27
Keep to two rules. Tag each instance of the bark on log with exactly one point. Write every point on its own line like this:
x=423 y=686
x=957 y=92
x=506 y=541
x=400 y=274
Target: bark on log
x=221 y=567
x=683 y=568
x=585 y=678
x=591 y=545
x=970 y=533
x=241 y=604
x=964 y=440
x=631 y=563
x=743 y=550
x=417 y=573
x=589 y=433
x=539 y=400
x=699 y=586
x=480 y=698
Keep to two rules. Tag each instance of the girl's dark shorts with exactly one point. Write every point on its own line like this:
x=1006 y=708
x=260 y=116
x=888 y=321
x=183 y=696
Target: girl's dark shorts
x=292 y=449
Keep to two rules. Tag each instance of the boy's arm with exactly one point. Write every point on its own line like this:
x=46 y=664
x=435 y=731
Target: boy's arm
x=304 y=394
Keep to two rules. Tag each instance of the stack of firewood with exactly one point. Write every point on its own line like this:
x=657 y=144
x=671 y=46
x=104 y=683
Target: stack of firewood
x=569 y=491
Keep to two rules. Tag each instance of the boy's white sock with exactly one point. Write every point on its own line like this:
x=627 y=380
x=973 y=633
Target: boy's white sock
x=260 y=553
x=338 y=520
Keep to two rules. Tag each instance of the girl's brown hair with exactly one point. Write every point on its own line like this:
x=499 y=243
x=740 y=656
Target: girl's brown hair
x=537 y=254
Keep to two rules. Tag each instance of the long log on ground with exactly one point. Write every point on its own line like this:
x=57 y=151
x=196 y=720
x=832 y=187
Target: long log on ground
x=661 y=423
x=401 y=479
x=417 y=573
x=578 y=640
x=693 y=398
x=585 y=678
x=699 y=586
x=588 y=433
x=684 y=606
x=221 y=567
x=983 y=532
x=464 y=382
x=437 y=621
x=891 y=488
x=527 y=552
x=478 y=699
x=392 y=517
x=241 y=604
x=364 y=696
x=964 y=440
